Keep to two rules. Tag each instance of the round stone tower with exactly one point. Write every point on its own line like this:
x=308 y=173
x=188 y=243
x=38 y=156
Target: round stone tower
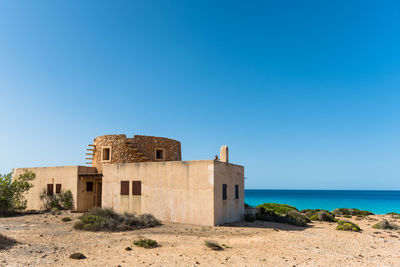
x=111 y=149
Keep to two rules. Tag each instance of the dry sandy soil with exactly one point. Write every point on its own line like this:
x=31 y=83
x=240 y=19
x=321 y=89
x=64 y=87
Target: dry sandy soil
x=45 y=240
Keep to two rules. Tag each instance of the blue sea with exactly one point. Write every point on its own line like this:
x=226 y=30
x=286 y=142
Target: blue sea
x=378 y=202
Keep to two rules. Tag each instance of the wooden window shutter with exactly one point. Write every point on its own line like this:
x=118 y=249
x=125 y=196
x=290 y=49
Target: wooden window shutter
x=124 y=187
x=58 y=188
x=50 y=191
x=136 y=188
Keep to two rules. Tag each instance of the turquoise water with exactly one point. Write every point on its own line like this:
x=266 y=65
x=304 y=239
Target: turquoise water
x=378 y=202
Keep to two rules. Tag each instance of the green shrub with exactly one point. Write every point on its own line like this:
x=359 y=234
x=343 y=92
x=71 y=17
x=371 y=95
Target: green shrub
x=347 y=216
x=296 y=218
x=98 y=219
x=346 y=211
x=61 y=201
x=348 y=226
x=6 y=242
x=146 y=243
x=213 y=245
x=12 y=191
x=293 y=217
x=66 y=219
x=319 y=215
x=91 y=222
x=384 y=224
x=326 y=216
x=278 y=209
x=249 y=217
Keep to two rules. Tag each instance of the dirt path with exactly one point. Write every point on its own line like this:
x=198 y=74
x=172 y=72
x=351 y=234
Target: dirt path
x=46 y=240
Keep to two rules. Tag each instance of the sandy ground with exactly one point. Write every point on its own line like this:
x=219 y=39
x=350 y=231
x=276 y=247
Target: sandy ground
x=45 y=240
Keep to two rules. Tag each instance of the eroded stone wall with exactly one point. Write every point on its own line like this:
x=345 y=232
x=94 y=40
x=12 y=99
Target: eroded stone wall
x=137 y=149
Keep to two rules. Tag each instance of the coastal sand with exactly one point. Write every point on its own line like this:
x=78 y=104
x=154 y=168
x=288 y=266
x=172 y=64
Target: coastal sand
x=46 y=240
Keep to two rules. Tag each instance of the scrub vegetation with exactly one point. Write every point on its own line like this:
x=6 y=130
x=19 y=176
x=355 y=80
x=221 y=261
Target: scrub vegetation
x=278 y=209
x=348 y=226
x=319 y=215
x=351 y=212
x=281 y=213
x=385 y=224
x=98 y=219
x=61 y=201
x=146 y=243
x=213 y=245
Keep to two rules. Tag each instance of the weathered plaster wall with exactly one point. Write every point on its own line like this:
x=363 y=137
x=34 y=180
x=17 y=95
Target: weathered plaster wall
x=86 y=200
x=67 y=176
x=172 y=191
x=137 y=149
x=231 y=209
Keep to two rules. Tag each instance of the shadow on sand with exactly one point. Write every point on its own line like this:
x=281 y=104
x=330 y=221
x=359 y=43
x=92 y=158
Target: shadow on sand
x=267 y=225
x=6 y=242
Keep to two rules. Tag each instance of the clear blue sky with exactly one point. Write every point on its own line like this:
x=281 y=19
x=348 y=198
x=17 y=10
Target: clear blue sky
x=305 y=93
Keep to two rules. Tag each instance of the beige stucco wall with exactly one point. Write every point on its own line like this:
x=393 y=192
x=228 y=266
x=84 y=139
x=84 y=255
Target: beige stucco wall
x=231 y=209
x=186 y=192
x=67 y=176
x=85 y=200
x=172 y=191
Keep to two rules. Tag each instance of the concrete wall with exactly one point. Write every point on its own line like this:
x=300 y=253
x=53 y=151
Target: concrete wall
x=171 y=191
x=186 y=192
x=231 y=209
x=67 y=176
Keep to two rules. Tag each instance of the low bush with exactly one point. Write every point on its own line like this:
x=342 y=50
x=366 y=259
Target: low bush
x=346 y=211
x=61 y=201
x=249 y=217
x=98 y=219
x=384 y=224
x=293 y=217
x=278 y=209
x=66 y=219
x=348 y=226
x=247 y=205
x=213 y=245
x=319 y=215
x=6 y=242
x=326 y=216
x=146 y=243
x=296 y=218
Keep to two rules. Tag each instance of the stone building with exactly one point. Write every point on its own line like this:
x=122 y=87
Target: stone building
x=145 y=174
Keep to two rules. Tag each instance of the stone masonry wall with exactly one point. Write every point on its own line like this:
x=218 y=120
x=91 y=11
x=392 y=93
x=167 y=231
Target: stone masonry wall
x=137 y=149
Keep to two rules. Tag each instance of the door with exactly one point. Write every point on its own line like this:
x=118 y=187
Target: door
x=98 y=194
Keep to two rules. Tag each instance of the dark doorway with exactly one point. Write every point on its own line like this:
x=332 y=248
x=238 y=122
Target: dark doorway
x=97 y=202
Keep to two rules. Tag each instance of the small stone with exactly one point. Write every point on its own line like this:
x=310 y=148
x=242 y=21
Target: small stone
x=128 y=248
x=77 y=256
